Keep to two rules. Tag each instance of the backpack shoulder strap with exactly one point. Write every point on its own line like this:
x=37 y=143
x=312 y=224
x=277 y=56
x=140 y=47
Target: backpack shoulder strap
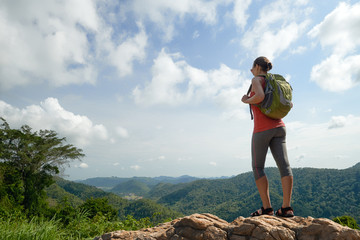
x=251 y=113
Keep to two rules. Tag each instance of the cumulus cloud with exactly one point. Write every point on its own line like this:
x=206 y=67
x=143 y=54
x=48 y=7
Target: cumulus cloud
x=62 y=42
x=167 y=74
x=313 y=142
x=83 y=165
x=43 y=41
x=239 y=13
x=336 y=126
x=130 y=50
x=213 y=164
x=164 y=13
x=51 y=115
x=337 y=122
x=122 y=132
x=175 y=82
x=266 y=38
x=337 y=73
x=135 y=167
x=338 y=31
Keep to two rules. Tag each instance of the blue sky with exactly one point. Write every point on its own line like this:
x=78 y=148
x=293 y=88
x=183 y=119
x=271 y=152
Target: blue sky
x=150 y=88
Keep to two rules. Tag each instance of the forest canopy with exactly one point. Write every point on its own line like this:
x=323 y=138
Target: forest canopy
x=28 y=161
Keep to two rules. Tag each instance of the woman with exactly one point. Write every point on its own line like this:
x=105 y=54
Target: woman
x=268 y=133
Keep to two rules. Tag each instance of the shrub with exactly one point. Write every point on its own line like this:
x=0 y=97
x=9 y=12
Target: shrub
x=347 y=221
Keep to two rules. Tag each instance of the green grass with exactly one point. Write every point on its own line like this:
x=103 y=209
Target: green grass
x=18 y=227
x=15 y=228
x=347 y=221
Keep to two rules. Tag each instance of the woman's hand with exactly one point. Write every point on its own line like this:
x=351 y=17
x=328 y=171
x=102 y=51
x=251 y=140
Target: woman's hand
x=244 y=98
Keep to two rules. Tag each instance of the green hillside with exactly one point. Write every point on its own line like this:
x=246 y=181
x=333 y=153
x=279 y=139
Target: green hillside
x=163 y=189
x=111 y=182
x=317 y=192
x=132 y=186
x=77 y=193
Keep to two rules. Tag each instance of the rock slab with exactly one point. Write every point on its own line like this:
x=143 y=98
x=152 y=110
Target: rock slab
x=210 y=227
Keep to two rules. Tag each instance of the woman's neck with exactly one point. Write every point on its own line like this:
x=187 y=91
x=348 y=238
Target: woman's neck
x=262 y=73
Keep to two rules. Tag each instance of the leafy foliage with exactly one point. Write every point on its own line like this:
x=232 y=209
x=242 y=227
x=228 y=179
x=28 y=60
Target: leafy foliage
x=28 y=161
x=347 y=221
x=99 y=206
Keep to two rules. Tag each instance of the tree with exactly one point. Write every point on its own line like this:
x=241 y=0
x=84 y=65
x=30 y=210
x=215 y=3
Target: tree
x=34 y=157
x=96 y=206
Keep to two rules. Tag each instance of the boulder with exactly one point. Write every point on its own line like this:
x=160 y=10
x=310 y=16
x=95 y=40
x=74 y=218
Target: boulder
x=209 y=227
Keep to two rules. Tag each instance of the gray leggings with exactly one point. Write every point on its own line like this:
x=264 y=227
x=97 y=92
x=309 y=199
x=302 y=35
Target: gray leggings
x=275 y=139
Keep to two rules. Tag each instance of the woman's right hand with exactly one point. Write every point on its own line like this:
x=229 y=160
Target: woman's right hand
x=244 y=98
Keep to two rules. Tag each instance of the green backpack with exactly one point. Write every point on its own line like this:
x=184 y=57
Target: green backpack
x=278 y=96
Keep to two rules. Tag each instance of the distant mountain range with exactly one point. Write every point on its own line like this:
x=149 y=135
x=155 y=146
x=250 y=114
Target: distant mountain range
x=138 y=186
x=110 y=182
x=317 y=192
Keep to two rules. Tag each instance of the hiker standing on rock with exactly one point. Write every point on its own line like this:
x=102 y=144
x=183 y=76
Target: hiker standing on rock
x=268 y=132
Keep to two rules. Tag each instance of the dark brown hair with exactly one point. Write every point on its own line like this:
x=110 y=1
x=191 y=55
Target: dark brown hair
x=264 y=63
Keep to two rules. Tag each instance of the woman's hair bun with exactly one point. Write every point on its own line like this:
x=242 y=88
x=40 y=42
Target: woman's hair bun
x=264 y=63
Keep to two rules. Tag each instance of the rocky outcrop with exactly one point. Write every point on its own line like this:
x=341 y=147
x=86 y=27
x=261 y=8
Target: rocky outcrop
x=210 y=227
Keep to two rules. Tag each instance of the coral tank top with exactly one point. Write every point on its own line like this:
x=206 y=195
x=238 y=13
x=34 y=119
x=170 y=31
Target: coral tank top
x=261 y=121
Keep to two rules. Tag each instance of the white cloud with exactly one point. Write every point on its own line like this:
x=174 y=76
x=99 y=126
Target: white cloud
x=239 y=12
x=175 y=82
x=43 y=41
x=213 y=164
x=196 y=34
x=337 y=122
x=135 y=167
x=299 y=50
x=340 y=31
x=336 y=126
x=337 y=73
x=131 y=49
x=167 y=74
x=164 y=13
x=62 y=42
x=83 y=165
x=315 y=144
x=122 y=132
x=266 y=38
x=51 y=115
